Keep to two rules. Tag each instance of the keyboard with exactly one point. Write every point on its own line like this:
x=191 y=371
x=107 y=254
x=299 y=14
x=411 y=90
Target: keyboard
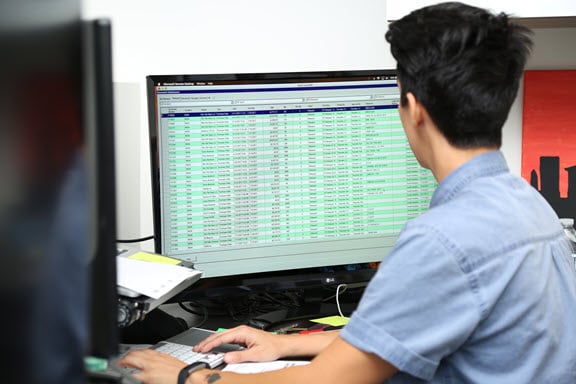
x=179 y=351
x=187 y=355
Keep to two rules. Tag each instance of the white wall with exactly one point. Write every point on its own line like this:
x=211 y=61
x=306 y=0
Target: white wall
x=234 y=36
x=516 y=8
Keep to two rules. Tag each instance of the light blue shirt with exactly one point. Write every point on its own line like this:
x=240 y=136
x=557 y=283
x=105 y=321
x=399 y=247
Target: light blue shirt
x=479 y=289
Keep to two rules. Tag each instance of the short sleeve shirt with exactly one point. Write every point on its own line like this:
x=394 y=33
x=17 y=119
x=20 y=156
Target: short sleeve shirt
x=479 y=289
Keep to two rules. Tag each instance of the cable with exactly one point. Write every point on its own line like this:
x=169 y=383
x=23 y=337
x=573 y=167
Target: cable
x=190 y=310
x=136 y=240
x=337 y=297
x=290 y=302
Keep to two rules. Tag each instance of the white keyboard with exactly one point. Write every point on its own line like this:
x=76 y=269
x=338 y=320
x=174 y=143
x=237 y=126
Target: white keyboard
x=187 y=355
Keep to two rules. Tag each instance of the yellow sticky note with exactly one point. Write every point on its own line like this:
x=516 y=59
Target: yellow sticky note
x=335 y=321
x=144 y=256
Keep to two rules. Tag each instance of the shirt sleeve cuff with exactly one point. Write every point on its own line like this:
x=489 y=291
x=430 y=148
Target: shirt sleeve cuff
x=360 y=333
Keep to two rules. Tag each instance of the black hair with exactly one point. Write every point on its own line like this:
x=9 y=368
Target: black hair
x=464 y=65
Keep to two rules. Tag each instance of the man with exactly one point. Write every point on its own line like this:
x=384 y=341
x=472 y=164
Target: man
x=480 y=289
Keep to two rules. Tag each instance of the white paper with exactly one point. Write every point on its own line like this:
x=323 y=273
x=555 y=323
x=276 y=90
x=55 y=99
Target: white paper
x=150 y=279
x=263 y=367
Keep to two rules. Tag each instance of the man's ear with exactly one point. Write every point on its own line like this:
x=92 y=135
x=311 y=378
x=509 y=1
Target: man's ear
x=415 y=109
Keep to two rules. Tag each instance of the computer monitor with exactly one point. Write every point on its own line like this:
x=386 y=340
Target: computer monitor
x=103 y=328
x=271 y=174
x=51 y=240
x=56 y=163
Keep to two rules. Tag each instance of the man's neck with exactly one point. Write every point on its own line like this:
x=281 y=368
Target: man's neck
x=449 y=158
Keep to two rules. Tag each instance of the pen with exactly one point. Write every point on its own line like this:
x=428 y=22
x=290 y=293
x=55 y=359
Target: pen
x=308 y=331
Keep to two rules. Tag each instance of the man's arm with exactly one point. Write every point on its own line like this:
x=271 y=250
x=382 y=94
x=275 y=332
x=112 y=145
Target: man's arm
x=340 y=362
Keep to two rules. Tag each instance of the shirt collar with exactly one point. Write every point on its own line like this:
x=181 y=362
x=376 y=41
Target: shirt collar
x=486 y=164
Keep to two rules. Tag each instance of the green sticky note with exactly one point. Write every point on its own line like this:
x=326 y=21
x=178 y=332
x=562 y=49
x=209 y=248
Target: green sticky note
x=95 y=364
x=335 y=321
x=144 y=256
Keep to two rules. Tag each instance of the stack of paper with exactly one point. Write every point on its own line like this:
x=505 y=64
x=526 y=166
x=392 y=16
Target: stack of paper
x=150 y=278
x=263 y=367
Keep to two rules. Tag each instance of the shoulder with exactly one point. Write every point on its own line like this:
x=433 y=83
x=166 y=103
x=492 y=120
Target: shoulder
x=486 y=208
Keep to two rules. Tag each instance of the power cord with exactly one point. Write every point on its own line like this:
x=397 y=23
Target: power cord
x=345 y=287
x=136 y=240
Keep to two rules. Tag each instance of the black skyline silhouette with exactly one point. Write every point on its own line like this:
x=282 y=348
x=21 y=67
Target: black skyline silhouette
x=550 y=185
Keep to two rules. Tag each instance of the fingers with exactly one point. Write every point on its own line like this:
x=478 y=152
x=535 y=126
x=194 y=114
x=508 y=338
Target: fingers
x=259 y=344
x=142 y=358
x=154 y=367
x=238 y=335
x=133 y=359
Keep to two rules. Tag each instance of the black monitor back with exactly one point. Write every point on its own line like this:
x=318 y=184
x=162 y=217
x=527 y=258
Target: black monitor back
x=57 y=208
x=41 y=144
x=99 y=114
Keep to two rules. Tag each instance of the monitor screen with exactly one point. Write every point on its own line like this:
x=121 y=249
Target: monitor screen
x=267 y=172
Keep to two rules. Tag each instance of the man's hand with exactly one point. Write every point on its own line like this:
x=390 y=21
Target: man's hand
x=155 y=367
x=340 y=362
x=265 y=346
x=260 y=345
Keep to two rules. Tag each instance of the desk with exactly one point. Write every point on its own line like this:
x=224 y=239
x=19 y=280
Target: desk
x=169 y=320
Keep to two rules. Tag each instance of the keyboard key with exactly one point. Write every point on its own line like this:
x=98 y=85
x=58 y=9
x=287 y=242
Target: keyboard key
x=187 y=355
